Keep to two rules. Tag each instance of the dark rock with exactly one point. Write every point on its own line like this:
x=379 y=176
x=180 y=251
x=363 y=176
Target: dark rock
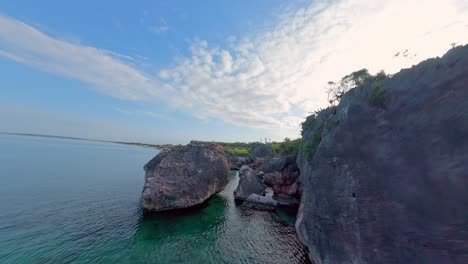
x=184 y=177
x=258 y=202
x=235 y=162
x=388 y=182
x=281 y=173
x=243 y=170
x=261 y=150
x=286 y=200
x=276 y=164
x=248 y=184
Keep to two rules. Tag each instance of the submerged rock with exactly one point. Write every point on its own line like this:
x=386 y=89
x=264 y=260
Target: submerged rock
x=386 y=181
x=184 y=177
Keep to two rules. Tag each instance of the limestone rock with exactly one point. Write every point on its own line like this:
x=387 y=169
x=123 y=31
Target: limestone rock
x=184 y=177
x=388 y=182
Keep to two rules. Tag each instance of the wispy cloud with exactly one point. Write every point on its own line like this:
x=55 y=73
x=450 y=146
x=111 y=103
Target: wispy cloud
x=272 y=79
x=161 y=28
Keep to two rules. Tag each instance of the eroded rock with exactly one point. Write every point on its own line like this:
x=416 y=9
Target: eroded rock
x=388 y=182
x=184 y=177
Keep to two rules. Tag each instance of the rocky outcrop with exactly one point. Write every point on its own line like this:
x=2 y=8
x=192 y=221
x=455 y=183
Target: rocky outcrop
x=281 y=174
x=385 y=174
x=259 y=202
x=260 y=150
x=236 y=162
x=184 y=177
x=278 y=175
x=249 y=184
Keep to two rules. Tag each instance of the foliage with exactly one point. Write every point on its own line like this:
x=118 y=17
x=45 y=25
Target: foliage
x=287 y=147
x=237 y=151
x=308 y=151
x=355 y=79
x=377 y=96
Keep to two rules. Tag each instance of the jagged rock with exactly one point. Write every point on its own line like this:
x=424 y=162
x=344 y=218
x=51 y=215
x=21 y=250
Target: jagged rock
x=387 y=181
x=258 y=202
x=235 y=162
x=262 y=150
x=243 y=170
x=248 y=184
x=184 y=177
x=277 y=163
x=281 y=173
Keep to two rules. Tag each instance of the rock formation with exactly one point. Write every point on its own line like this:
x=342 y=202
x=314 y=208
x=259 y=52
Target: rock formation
x=385 y=174
x=184 y=177
x=249 y=183
x=236 y=162
x=260 y=150
x=279 y=174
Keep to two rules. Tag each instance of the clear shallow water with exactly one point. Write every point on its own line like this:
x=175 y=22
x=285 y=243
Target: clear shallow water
x=68 y=201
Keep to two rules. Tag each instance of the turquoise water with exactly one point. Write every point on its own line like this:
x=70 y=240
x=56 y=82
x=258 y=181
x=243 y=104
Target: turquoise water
x=68 y=201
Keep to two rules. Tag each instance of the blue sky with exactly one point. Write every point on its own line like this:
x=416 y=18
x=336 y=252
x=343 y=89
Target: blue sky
x=172 y=71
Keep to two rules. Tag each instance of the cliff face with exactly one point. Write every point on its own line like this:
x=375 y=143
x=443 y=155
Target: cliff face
x=385 y=174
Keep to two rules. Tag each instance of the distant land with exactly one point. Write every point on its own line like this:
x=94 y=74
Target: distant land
x=87 y=139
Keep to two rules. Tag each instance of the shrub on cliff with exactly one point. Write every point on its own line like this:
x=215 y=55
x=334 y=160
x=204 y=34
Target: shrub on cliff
x=287 y=147
x=355 y=79
x=377 y=96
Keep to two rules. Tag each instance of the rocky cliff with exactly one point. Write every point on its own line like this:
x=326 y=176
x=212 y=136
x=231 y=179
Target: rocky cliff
x=385 y=173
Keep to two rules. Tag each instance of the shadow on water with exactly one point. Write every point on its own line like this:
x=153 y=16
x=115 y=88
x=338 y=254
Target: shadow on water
x=184 y=222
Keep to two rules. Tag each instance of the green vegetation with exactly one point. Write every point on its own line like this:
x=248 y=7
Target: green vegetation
x=237 y=151
x=377 y=96
x=308 y=151
x=350 y=81
x=310 y=147
x=287 y=147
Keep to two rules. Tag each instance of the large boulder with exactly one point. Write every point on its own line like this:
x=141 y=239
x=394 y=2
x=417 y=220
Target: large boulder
x=184 y=177
x=260 y=150
x=249 y=183
x=384 y=176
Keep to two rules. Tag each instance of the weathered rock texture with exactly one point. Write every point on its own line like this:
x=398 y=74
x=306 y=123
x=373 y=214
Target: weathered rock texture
x=278 y=175
x=249 y=183
x=184 y=177
x=258 y=202
x=281 y=174
x=236 y=162
x=387 y=181
x=260 y=150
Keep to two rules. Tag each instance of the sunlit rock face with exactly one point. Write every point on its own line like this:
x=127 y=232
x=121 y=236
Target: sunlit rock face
x=387 y=181
x=183 y=177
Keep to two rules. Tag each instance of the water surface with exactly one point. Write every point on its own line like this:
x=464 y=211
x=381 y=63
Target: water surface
x=69 y=201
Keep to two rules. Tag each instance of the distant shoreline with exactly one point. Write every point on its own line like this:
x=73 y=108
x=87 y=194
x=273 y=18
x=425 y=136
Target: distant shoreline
x=87 y=139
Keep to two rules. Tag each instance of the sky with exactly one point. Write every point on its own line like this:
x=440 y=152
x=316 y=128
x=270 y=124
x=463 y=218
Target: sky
x=173 y=71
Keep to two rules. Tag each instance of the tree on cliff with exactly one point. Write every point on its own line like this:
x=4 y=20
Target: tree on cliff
x=358 y=78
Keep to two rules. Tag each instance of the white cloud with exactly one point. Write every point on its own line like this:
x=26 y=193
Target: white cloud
x=99 y=68
x=272 y=79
